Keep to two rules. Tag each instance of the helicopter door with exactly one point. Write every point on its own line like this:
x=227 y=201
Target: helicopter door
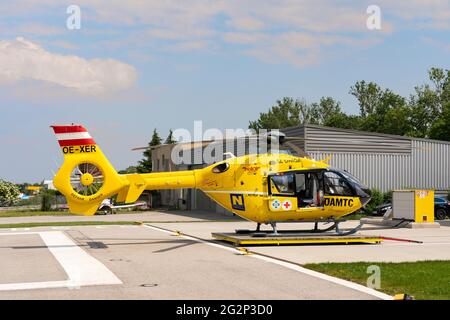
x=309 y=189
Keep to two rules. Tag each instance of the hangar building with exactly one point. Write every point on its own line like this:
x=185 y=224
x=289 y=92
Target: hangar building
x=381 y=161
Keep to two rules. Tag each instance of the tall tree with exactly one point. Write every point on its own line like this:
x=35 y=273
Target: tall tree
x=325 y=110
x=368 y=96
x=440 y=129
x=389 y=114
x=286 y=113
x=145 y=165
x=426 y=113
x=429 y=102
x=170 y=139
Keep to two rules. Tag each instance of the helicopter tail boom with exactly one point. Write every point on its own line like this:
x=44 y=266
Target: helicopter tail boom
x=86 y=177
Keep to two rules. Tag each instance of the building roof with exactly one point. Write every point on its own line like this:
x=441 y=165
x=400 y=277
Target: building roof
x=359 y=132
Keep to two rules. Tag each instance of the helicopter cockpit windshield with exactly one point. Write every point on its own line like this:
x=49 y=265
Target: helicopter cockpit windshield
x=310 y=187
x=359 y=188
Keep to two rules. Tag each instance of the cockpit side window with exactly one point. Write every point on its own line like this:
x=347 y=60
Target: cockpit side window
x=337 y=185
x=282 y=184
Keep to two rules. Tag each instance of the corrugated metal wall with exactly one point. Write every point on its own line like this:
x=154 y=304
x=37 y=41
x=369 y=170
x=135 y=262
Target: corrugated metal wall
x=323 y=139
x=426 y=164
x=430 y=164
x=296 y=132
x=382 y=171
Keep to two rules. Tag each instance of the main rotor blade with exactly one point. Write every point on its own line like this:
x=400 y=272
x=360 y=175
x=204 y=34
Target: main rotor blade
x=196 y=143
x=300 y=152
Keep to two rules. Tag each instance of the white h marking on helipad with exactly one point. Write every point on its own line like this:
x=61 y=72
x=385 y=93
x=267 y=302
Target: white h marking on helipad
x=82 y=269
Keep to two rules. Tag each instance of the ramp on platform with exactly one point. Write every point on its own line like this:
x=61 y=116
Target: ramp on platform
x=285 y=238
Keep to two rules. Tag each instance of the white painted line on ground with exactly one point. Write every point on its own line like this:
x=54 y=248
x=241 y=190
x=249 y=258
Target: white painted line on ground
x=82 y=269
x=194 y=239
x=326 y=277
x=289 y=265
x=16 y=233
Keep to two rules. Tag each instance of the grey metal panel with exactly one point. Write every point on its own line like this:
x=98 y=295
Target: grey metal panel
x=339 y=140
x=431 y=165
x=403 y=205
x=428 y=167
x=296 y=132
x=382 y=171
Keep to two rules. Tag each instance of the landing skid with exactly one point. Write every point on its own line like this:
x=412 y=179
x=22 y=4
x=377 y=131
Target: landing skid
x=277 y=233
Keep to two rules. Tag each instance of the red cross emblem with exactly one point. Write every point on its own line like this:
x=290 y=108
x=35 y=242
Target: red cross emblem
x=287 y=205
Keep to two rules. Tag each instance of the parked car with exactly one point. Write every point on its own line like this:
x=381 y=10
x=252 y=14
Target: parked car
x=381 y=210
x=441 y=208
x=108 y=207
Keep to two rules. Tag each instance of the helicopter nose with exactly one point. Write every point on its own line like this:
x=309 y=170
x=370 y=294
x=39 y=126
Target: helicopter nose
x=365 y=200
x=365 y=196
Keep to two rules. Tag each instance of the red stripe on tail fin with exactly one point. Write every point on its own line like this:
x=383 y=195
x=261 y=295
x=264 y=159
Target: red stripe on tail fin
x=68 y=129
x=72 y=135
x=75 y=142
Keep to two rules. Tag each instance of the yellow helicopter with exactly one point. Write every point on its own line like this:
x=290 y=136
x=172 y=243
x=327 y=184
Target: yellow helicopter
x=264 y=188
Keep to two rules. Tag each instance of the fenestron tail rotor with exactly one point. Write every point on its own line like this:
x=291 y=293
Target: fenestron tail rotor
x=86 y=179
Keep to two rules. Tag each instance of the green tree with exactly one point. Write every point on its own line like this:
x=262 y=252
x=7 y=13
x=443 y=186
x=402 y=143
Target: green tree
x=381 y=110
x=286 y=113
x=440 y=130
x=48 y=199
x=343 y=121
x=429 y=113
x=326 y=109
x=390 y=114
x=170 y=139
x=426 y=113
x=368 y=96
x=129 y=170
x=9 y=192
x=328 y=112
x=145 y=165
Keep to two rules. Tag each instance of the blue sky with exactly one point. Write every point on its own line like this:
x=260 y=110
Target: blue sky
x=139 y=65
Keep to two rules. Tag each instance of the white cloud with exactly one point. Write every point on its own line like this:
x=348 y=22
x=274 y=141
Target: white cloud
x=294 y=25
x=21 y=59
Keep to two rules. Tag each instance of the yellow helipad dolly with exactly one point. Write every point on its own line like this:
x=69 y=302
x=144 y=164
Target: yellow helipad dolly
x=289 y=238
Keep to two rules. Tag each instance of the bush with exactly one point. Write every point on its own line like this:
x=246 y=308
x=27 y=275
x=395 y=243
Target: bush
x=9 y=193
x=387 y=197
x=48 y=198
x=377 y=199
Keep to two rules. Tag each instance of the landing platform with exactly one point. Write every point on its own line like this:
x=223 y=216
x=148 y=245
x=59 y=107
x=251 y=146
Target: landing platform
x=289 y=238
